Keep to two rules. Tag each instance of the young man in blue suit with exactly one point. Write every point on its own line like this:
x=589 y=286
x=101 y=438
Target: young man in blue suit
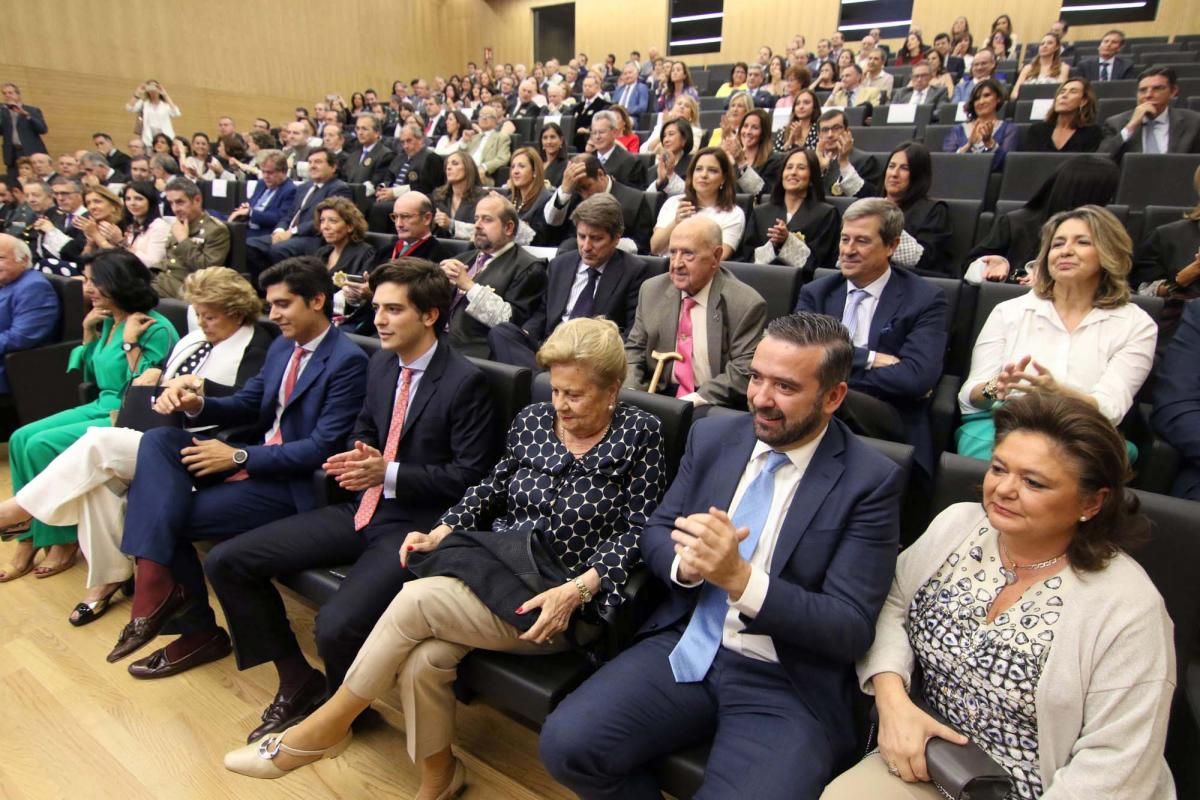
x=293 y=415
x=427 y=433
x=897 y=321
x=777 y=544
x=272 y=197
x=1177 y=400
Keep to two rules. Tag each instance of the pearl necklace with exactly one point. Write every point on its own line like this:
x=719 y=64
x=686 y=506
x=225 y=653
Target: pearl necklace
x=561 y=433
x=1010 y=573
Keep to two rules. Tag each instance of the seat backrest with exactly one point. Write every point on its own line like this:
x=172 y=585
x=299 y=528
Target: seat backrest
x=1121 y=212
x=1157 y=178
x=778 y=285
x=524 y=126
x=1110 y=106
x=1107 y=89
x=381 y=240
x=990 y=295
x=935 y=135
x=674 y=414
x=881 y=138
x=71 y=307
x=221 y=196
x=1024 y=173
x=509 y=385
x=1035 y=91
x=238 y=232
x=655 y=265
x=960 y=176
x=176 y=311
x=746 y=201
x=964 y=215
x=1156 y=216
x=713 y=103
x=711 y=119
x=455 y=245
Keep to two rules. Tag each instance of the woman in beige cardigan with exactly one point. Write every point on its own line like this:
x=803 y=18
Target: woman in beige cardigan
x=1037 y=637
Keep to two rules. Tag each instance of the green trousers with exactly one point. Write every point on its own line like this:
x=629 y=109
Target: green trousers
x=32 y=447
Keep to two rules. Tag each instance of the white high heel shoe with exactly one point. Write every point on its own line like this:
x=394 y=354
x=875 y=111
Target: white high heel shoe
x=257 y=760
x=457 y=783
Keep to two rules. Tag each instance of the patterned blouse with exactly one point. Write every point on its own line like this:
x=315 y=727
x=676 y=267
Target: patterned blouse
x=592 y=507
x=982 y=676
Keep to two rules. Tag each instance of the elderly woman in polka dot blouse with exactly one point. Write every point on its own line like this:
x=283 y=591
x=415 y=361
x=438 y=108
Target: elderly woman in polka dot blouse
x=549 y=537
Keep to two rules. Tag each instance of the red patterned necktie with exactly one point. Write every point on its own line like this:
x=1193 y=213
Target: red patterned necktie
x=685 y=374
x=370 y=499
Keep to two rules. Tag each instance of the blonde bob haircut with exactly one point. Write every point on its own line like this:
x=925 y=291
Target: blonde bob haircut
x=225 y=289
x=1113 y=245
x=594 y=344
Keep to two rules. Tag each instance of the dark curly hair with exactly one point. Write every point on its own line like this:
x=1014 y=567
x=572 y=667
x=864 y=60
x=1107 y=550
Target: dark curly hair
x=122 y=277
x=1098 y=451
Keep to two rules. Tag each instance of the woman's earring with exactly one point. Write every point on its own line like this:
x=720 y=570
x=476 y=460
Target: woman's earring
x=1083 y=518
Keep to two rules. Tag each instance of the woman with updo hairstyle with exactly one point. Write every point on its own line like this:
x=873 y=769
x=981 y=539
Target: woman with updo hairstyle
x=1038 y=639
x=545 y=542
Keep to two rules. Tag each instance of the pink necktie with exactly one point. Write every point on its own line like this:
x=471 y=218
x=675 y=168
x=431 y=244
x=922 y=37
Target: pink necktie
x=685 y=375
x=371 y=498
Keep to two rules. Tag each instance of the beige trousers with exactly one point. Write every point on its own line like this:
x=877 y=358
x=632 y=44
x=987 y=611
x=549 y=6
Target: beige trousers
x=417 y=644
x=86 y=486
x=869 y=780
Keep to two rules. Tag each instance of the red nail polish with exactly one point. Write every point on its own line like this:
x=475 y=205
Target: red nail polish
x=521 y=610
x=410 y=548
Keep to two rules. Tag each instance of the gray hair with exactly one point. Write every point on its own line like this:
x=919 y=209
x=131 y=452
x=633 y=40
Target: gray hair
x=182 y=184
x=166 y=163
x=808 y=329
x=891 y=218
x=607 y=116
x=95 y=159
x=74 y=183
x=276 y=158
x=20 y=251
x=601 y=211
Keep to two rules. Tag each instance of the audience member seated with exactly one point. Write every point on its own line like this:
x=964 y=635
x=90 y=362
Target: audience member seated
x=585 y=177
x=85 y=485
x=983 y=68
x=685 y=108
x=626 y=134
x=897 y=322
x=845 y=171
x=874 y=77
x=617 y=162
x=759 y=94
x=233 y=161
x=851 y=91
x=371 y=161
x=678 y=84
x=925 y=242
x=122 y=337
x=913 y=52
x=1107 y=65
x=417 y=169
x=984 y=131
x=273 y=195
x=557 y=101
x=700 y=312
x=497 y=281
x=197 y=239
x=1074 y=334
x=553 y=152
x=752 y=154
x=1070 y=124
x=348 y=258
x=1002 y=45
x=1011 y=247
x=198 y=165
x=827 y=77
x=710 y=191
x=299 y=409
x=1167 y=263
x=802 y=129
x=739 y=105
x=940 y=75
x=1027 y=585
x=596 y=279
x=16 y=215
x=296 y=149
x=736 y=82
x=139 y=168
x=921 y=90
x=630 y=92
x=296 y=232
x=98 y=172
x=797 y=227
x=672 y=157
x=761 y=602
x=58 y=241
x=489 y=147
x=1046 y=67
x=1155 y=126
x=434 y=121
x=454 y=203
x=103 y=225
x=527 y=191
x=592 y=103
x=524 y=107
x=1177 y=399
x=797 y=78
x=29 y=308
x=505 y=540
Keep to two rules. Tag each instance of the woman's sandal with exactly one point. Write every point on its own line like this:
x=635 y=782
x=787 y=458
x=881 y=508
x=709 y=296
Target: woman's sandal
x=15 y=570
x=45 y=570
x=257 y=760
x=85 y=613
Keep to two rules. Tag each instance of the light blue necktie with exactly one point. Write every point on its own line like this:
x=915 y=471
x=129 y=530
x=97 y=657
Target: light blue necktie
x=1150 y=143
x=850 y=314
x=694 y=654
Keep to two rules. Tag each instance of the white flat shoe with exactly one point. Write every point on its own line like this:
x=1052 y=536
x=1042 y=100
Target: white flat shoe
x=457 y=783
x=258 y=760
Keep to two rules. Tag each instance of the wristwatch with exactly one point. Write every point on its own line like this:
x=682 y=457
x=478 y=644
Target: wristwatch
x=128 y=346
x=991 y=389
x=240 y=456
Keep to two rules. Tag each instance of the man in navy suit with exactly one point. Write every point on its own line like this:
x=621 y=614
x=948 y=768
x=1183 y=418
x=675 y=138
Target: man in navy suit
x=897 y=321
x=436 y=405
x=273 y=196
x=296 y=413
x=1177 y=401
x=296 y=232
x=21 y=126
x=28 y=303
x=597 y=280
x=631 y=93
x=1107 y=65
x=777 y=545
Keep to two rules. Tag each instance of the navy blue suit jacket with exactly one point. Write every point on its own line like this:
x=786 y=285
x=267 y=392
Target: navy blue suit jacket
x=305 y=225
x=316 y=421
x=270 y=217
x=28 y=316
x=910 y=324
x=1177 y=400
x=833 y=563
x=639 y=99
x=450 y=440
x=616 y=293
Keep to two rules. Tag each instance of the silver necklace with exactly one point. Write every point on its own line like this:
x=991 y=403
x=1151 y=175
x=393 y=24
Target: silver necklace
x=1010 y=573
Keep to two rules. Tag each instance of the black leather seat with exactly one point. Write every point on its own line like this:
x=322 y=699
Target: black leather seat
x=387 y=241
x=38 y=379
x=238 y=231
x=964 y=216
x=455 y=245
x=1024 y=173
x=778 y=285
x=1157 y=178
x=960 y=176
x=222 y=207
x=176 y=311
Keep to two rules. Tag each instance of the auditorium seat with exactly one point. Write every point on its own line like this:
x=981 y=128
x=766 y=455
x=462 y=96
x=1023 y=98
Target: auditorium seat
x=964 y=215
x=238 y=231
x=455 y=245
x=923 y=116
x=935 y=135
x=778 y=284
x=960 y=176
x=38 y=379
x=176 y=312
x=221 y=207
x=881 y=138
x=1163 y=179
x=1024 y=173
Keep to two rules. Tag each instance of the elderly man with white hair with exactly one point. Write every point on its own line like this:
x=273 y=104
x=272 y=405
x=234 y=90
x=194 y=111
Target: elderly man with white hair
x=28 y=303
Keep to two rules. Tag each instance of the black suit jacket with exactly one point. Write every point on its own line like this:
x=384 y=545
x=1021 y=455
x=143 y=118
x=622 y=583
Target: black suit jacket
x=304 y=223
x=635 y=208
x=516 y=276
x=626 y=168
x=117 y=177
x=928 y=221
x=118 y=161
x=431 y=249
x=530 y=110
x=1122 y=69
x=29 y=130
x=423 y=172
x=868 y=168
x=819 y=222
x=583 y=118
x=451 y=436
x=616 y=293
x=376 y=167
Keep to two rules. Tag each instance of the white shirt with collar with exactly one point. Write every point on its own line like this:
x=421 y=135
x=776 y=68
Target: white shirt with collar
x=607 y=154
x=787 y=480
x=555 y=212
x=580 y=283
x=310 y=347
x=1161 y=131
x=701 y=372
x=866 y=310
x=418 y=366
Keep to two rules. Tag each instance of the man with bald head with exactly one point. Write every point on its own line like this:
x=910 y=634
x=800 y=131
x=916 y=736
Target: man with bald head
x=524 y=106
x=28 y=303
x=699 y=310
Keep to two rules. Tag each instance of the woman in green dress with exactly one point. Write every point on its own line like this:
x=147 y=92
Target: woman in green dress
x=122 y=336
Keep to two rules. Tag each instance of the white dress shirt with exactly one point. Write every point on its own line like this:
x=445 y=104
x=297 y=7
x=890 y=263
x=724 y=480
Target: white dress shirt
x=787 y=480
x=309 y=348
x=866 y=310
x=418 y=366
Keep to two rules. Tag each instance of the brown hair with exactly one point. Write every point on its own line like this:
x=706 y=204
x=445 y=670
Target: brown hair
x=1098 y=453
x=766 y=142
x=1086 y=115
x=1113 y=244
x=1195 y=212
x=523 y=200
x=347 y=211
x=799 y=73
x=727 y=193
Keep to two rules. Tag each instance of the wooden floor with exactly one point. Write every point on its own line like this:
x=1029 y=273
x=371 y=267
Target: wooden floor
x=74 y=726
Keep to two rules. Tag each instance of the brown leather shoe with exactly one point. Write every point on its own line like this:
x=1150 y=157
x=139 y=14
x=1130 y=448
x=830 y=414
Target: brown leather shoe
x=141 y=630
x=158 y=665
x=284 y=712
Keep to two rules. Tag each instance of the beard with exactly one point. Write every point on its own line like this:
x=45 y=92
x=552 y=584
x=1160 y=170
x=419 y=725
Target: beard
x=482 y=242
x=790 y=431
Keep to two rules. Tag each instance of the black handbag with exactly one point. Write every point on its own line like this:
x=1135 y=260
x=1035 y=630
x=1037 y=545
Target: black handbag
x=137 y=410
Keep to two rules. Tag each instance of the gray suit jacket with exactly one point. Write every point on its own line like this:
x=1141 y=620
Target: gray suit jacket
x=1183 y=133
x=495 y=153
x=934 y=96
x=736 y=317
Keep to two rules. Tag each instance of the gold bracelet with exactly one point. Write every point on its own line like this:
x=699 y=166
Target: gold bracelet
x=585 y=594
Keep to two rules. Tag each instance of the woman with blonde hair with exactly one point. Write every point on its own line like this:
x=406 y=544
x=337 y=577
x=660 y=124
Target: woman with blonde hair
x=102 y=226
x=687 y=109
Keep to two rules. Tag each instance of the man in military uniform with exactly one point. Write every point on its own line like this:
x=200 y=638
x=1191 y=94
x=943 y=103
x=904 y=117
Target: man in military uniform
x=15 y=214
x=196 y=241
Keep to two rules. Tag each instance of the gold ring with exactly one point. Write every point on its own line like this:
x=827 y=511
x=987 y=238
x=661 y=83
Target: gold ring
x=893 y=770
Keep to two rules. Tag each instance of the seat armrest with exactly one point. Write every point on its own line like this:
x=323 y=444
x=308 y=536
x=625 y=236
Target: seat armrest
x=641 y=593
x=943 y=413
x=327 y=491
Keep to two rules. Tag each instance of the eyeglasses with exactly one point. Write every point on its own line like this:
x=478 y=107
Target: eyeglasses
x=831 y=129
x=403 y=217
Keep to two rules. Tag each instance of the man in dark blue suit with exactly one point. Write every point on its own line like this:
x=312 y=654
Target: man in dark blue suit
x=272 y=197
x=631 y=93
x=21 y=126
x=897 y=321
x=298 y=411
x=296 y=232
x=28 y=303
x=1106 y=65
x=598 y=280
x=1177 y=400
x=435 y=405
x=777 y=544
